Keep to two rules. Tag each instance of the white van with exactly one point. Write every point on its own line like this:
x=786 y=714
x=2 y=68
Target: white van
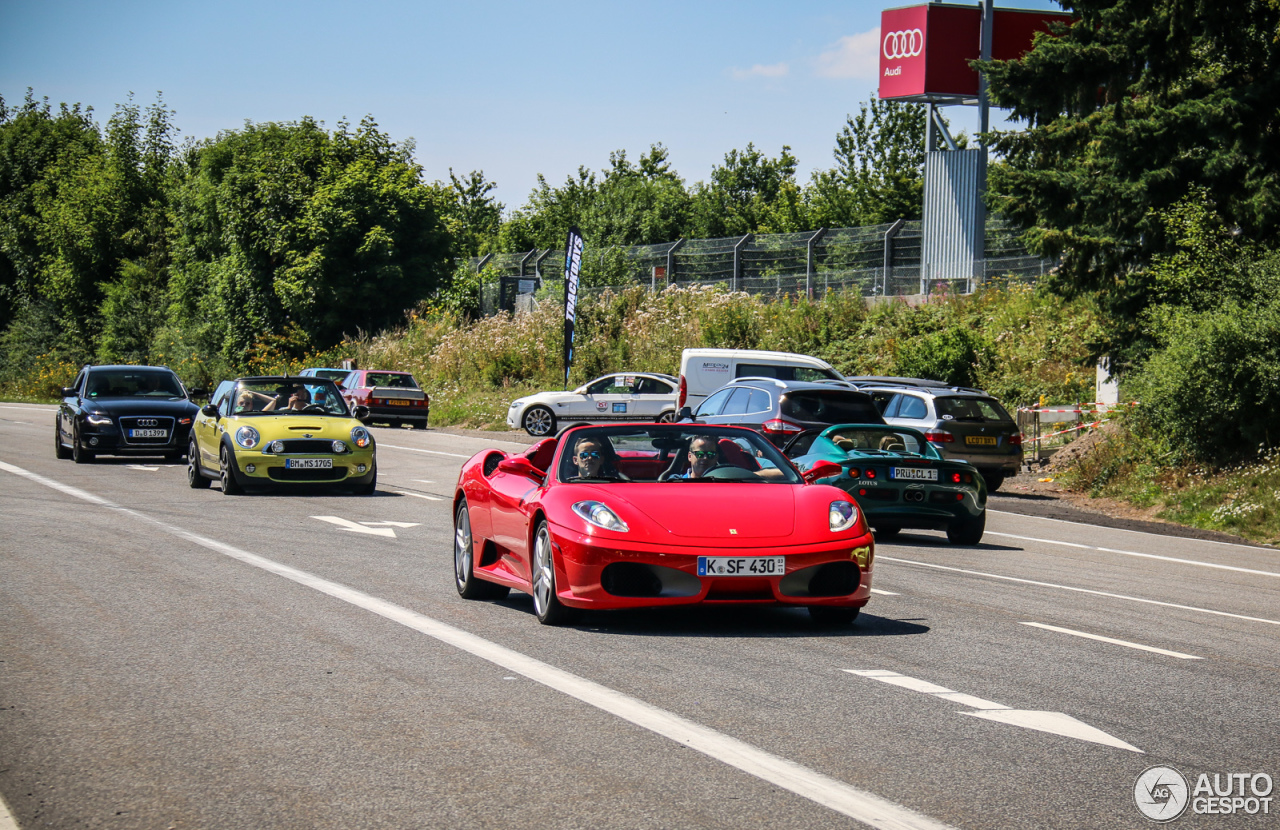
x=703 y=371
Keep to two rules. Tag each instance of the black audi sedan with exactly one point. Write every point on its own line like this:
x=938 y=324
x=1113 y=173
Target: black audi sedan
x=124 y=410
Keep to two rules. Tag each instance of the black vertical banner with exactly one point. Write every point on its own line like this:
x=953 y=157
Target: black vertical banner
x=572 y=264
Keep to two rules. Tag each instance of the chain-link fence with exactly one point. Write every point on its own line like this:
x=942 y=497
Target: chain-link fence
x=877 y=261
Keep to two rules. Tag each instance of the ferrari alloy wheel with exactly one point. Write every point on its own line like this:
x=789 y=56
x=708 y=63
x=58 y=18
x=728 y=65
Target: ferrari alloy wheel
x=59 y=452
x=227 y=473
x=967 y=531
x=539 y=421
x=828 y=615
x=78 y=453
x=465 y=580
x=195 y=478
x=546 y=604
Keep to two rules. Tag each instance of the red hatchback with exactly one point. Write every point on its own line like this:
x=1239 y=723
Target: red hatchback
x=393 y=398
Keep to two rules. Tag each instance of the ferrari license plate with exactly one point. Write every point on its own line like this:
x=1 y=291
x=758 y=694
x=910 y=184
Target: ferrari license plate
x=398 y=403
x=980 y=440
x=148 y=433
x=742 y=565
x=913 y=474
x=309 y=463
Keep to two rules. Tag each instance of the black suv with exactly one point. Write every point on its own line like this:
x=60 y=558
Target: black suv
x=964 y=424
x=785 y=409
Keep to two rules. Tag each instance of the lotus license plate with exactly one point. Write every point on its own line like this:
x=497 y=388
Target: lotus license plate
x=309 y=463
x=148 y=433
x=742 y=565
x=980 y=440
x=913 y=474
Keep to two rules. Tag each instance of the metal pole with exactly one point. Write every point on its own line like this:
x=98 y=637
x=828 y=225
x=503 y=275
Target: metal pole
x=671 y=258
x=988 y=14
x=525 y=259
x=808 y=261
x=483 y=260
x=888 y=253
x=737 y=258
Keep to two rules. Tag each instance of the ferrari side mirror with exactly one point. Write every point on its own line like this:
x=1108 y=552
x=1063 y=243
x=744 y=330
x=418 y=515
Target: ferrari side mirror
x=520 y=466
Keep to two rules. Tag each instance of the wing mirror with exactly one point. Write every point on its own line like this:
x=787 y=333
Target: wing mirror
x=361 y=413
x=68 y=391
x=210 y=410
x=822 y=469
x=685 y=414
x=520 y=466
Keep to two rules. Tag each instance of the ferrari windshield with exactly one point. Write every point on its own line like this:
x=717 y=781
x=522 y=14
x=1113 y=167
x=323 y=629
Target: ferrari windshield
x=287 y=396
x=677 y=453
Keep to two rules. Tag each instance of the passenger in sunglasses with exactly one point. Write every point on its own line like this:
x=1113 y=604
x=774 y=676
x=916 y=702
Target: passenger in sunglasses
x=593 y=459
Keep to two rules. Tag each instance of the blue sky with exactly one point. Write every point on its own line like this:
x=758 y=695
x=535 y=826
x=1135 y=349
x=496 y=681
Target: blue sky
x=513 y=89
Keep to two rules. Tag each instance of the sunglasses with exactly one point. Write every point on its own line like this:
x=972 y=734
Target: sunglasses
x=703 y=453
x=586 y=454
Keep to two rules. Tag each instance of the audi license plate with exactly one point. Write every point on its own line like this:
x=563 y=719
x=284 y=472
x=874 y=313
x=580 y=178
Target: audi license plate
x=148 y=433
x=398 y=403
x=913 y=474
x=742 y=565
x=309 y=463
x=980 y=440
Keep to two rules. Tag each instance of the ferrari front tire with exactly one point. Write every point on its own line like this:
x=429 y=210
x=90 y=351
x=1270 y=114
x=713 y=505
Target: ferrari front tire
x=539 y=421
x=195 y=478
x=828 y=615
x=227 y=473
x=59 y=451
x=465 y=580
x=546 y=604
x=967 y=531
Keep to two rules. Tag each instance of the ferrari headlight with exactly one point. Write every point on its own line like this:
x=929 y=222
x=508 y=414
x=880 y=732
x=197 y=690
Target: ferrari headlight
x=98 y=420
x=338 y=446
x=361 y=437
x=597 y=514
x=247 y=437
x=842 y=515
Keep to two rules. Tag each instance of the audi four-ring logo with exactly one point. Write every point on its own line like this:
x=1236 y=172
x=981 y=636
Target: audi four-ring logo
x=148 y=422
x=903 y=44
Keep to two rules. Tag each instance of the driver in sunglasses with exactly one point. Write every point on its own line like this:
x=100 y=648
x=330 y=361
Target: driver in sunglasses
x=703 y=455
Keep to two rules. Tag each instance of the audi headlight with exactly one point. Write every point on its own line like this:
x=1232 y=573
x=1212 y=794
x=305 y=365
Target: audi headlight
x=597 y=514
x=98 y=420
x=247 y=437
x=338 y=446
x=361 y=437
x=842 y=515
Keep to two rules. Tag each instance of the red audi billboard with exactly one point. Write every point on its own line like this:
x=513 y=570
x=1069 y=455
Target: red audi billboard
x=925 y=50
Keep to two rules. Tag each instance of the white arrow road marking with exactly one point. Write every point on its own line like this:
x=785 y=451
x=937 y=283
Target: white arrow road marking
x=839 y=796
x=142 y=467
x=1055 y=723
x=417 y=495
x=391 y=524
x=1126 y=643
x=355 y=527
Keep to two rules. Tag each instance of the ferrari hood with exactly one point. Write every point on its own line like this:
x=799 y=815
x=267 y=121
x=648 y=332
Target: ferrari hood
x=720 y=511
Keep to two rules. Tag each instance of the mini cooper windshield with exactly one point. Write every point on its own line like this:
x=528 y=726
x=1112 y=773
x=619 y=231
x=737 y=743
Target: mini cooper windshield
x=287 y=396
x=676 y=453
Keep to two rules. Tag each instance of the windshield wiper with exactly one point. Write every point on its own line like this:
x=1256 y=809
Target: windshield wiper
x=595 y=478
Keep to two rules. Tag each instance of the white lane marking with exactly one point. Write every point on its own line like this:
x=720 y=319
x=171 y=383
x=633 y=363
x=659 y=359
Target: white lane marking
x=49 y=407
x=391 y=524
x=1126 y=530
x=1195 y=562
x=142 y=467
x=1055 y=723
x=417 y=495
x=1113 y=641
x=428 y=452
x=356 y=527
x=886 y=593
x=1080 y=590
x=843 y=798
x=7 y=821
x=424 y=481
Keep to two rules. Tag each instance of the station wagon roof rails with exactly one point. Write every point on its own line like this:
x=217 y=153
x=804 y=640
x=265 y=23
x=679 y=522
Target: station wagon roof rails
x=775 y=381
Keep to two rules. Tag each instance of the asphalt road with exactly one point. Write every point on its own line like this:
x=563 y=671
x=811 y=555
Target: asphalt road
x=172 y=658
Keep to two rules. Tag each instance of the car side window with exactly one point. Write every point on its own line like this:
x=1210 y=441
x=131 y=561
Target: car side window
x=760 y=401
x=711 y=406
x=761 y=370
x=737 y=403
x=810 y=375
x=883 y=402
x=912 y=407
x=602 y=386
x=79 y=384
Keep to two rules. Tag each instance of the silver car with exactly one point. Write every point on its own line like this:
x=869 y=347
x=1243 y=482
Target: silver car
x=964 y=424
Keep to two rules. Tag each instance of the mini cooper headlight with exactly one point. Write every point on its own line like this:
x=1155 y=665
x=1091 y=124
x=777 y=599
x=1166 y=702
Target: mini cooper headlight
x=361 y=437
x=597 y=514
x=842 y=515
x=277 y=446
x=338 y=446
x=98 y=420
x=247 y=437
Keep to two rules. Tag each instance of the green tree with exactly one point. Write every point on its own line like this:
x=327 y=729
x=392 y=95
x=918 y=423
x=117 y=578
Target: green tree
x=471 y=215
x=749 y=193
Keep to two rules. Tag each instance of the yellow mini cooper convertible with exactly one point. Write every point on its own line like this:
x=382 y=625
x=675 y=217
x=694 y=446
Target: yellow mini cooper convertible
x=259 y=432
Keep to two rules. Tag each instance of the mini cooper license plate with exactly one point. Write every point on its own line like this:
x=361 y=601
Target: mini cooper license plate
x=742 y=565
x=913 y=474
x=148 y=433
x=309 y=463
x=980 y=440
